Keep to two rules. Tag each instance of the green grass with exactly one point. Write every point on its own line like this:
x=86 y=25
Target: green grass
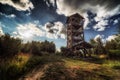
x=115 y=64
x=61 y=68
x=79 y=69
x=19 y=66
x=76 y=63
x=114 y=54
x=24 y=64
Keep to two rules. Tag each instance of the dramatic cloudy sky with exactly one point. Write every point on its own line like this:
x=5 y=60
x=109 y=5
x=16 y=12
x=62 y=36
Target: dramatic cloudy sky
x=45 y=19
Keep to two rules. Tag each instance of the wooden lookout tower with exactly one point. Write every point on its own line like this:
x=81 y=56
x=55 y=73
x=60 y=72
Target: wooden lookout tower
x=75 y=34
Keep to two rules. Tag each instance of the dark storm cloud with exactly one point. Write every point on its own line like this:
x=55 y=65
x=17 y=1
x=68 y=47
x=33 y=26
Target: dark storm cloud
x=55 y=27
x=110 y=4
x=68 y=7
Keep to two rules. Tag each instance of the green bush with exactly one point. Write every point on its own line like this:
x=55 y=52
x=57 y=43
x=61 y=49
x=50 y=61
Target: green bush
x=10 y=72
x=13 y=71
x=33 y=62
x=114 y=54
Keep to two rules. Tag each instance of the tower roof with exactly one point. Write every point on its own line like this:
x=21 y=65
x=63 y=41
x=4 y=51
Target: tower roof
x=76 y=15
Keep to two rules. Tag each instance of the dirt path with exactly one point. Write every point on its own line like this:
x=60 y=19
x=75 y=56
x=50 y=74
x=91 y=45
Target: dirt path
x=36 y=74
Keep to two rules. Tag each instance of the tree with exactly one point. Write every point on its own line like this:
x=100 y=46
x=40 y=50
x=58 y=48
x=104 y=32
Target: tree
x=98 y=46
x=113 y=44
x=100 y=49
x=93 y=42
x=118 y=42
x=47 y=46
x=26 y=47
x=35 y=48
x=9 y=46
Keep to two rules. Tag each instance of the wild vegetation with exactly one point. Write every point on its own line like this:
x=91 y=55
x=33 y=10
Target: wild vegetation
x=19 y=61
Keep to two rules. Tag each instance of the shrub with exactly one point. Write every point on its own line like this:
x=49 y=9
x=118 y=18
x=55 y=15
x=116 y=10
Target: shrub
x=114 y=54
x=10 y=72
x=13 y=70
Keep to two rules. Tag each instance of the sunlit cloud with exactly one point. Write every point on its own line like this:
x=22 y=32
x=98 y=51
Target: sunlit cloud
x=31 y=30
x=101 y=25
x=111 y=37
x=28 y=31
x=102 y=11
x=1 y=31
x=115 y=21
x=55 y=30
x=102 y=37
x=21 y=5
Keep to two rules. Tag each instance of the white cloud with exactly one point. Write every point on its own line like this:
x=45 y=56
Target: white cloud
x=12 y=15
x=36 y=21
x=68 y=10
x=50 y=35
x=101 y=37
x=102 y=15
x=63 y=36
x=28 y=31
x=97 y=36
x=53 y=2
x=50 y=2
x=22 y=5
x=55 y=30
x=102 y=11
x=116 y=11
x=47 y=3
x=101 y=25
x=1 y=31
x=111 y=37
x=115 y=21
x=15 y=33
x=87 y=21
x=8 y=16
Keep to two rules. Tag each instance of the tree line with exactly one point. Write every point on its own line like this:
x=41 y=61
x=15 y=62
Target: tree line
x=110 y=48
x=10 y=46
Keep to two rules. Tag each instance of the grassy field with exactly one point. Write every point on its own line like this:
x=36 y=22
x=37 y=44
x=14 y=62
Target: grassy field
x=84 y=69
x=60 y=68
